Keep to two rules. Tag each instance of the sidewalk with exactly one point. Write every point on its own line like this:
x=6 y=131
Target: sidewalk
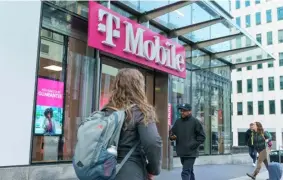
x=215 y=172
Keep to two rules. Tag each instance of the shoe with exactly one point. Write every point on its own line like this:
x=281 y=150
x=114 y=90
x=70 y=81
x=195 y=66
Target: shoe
x=251 y=176
x=253 y=164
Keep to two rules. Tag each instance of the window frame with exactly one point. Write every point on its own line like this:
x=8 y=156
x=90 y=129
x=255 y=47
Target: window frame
x=280 y=58
x=239 y=86
x=238 y=4
x=272 y=103
x=269 y=38
x=271 y=83
x=240 y=113
x=280 y=13
x=250 y=103
x=258 y=18
x=248 y=18
x=260 y=89
x=280 y=36
x=249 y=83
x=247 y=3
x=268 y=16
x=259 y=103
x=281 y=82
x=259 y=38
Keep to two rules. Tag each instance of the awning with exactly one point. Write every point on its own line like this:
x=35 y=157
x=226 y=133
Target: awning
x=206 y=30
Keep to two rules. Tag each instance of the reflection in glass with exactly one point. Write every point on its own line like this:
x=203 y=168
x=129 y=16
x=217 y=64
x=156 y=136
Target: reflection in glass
x=78 y=94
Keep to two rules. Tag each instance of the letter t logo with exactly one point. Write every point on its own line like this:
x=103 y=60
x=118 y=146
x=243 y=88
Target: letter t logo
x=108 y=27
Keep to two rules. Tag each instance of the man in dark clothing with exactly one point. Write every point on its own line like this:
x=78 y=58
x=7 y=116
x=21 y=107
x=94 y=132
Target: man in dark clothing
x=249 y=143
x=189 y=135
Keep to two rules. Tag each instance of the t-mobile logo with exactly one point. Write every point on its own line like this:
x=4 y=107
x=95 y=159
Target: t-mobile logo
x=108 y=27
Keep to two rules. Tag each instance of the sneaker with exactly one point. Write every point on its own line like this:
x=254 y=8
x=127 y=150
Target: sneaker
x=251 y=176
x=253 y=164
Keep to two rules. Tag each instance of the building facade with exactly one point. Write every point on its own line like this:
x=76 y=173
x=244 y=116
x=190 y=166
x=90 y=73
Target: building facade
x=62 y=64
x=257 y=89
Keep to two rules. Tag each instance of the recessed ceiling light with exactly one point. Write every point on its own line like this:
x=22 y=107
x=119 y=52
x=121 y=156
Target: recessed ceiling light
x=53 y=68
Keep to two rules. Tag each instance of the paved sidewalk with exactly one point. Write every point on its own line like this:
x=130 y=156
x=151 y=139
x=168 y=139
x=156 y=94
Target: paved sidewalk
x=215 y=172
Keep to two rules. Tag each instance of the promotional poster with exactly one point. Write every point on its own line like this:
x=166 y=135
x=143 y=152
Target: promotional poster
x=49 y=107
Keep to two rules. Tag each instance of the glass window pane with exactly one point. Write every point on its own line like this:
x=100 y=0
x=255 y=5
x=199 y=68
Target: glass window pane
x=281 y=103
x=257 y=1
x=270 y=64
x=238 y=42
x=258 y=18
x=249 y=85
x=269 y=38
x=249 y=68
x=239 y=86
x=248 y=21
x=279 y=13
x=70 y=78
x=281 y=82
x=280 y=36
x=281 y=59
x=250 y=108
x=258 y=38
x=271 y=83
x=247 y=3
x=248 y=42
x=260 y=107
x=268 y=16
x=260 y=84
x=238 y=4
x=239 y=108
x=271 y=107
x=259 y=66
x=238 y=21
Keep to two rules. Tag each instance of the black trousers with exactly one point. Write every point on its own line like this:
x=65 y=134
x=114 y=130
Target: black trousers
x=188 y=168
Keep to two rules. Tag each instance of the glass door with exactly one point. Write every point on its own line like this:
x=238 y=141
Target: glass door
x=109 y=70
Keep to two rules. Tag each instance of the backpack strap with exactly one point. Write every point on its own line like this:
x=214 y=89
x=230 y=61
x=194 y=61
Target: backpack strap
x=119 y=166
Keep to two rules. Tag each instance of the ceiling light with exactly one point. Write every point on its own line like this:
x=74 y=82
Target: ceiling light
x=53 y=68
x=178 y=12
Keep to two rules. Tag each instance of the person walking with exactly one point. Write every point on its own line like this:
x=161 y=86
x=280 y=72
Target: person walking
x=249 y=143
x=259 y=138
x=189 y=135
x=128 y=92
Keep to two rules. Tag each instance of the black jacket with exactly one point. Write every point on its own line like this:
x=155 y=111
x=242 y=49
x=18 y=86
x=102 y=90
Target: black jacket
x=259 y=140
x=248 y=141
x=150 y=148
x=190 y=135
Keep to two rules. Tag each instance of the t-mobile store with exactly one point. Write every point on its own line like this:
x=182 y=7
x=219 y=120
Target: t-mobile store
x=64 y=59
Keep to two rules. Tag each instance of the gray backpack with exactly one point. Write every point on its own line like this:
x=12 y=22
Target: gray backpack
x=94 y=158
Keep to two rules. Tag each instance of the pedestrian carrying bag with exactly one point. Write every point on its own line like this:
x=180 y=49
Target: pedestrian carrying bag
x=96 y=135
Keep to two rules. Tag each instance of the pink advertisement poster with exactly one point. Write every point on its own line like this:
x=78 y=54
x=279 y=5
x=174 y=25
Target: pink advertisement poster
x=49 y=107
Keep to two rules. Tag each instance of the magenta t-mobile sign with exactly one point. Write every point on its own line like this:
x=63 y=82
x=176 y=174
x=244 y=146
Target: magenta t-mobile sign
x=118 y=35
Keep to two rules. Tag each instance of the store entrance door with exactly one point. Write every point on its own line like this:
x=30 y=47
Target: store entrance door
x=110 y=68
x=156 y=88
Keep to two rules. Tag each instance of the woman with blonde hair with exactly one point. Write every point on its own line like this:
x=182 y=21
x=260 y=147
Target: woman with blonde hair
x=259 y=138
x=128 y=93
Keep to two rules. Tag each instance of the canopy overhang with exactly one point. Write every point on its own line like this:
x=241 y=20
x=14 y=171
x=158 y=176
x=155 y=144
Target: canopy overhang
x=227 y=56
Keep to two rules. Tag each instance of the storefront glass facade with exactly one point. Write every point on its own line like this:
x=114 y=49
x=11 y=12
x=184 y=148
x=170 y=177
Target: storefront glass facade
x=80 y=77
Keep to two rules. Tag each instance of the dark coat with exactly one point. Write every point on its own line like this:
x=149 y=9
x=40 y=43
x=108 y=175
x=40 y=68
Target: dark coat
x=150 y=148
x=259 y=140
x=248 y=140
x=190 y=135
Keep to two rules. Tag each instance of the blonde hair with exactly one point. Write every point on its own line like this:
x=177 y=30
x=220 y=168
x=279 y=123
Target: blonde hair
x=129 y=89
